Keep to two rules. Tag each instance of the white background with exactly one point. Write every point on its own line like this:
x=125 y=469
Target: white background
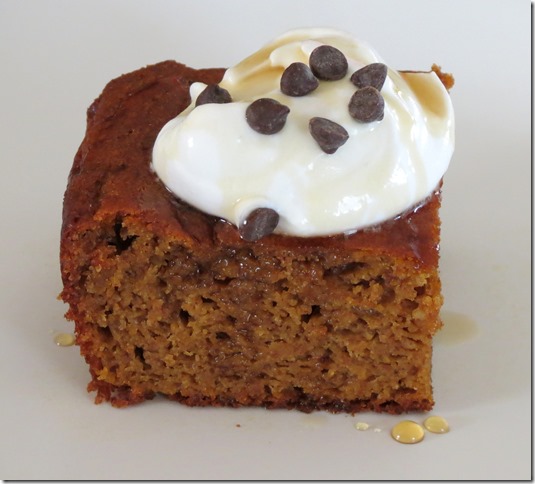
x=55 y=58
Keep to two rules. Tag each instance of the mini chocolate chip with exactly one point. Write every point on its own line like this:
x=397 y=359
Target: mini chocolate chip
x=328 y=63
x=367 y=105
x=213 y=94
x=298 y=80
x=371 y=75
x=259 y=223
x=329 y=135
x=266 y=115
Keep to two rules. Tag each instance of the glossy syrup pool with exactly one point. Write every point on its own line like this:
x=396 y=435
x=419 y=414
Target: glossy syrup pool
x=436 y=424
x=408 y=432
x=458 y=328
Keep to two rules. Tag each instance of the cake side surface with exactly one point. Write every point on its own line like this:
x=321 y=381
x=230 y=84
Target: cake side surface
x=168 y=300
x=235 y=324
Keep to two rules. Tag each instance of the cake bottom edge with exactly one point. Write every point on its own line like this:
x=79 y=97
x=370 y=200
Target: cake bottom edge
x=124 y=396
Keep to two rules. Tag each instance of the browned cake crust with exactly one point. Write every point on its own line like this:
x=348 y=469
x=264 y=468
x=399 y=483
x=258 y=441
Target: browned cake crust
x=168 y=300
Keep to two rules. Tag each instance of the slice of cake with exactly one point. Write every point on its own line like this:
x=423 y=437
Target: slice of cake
x=270 y=240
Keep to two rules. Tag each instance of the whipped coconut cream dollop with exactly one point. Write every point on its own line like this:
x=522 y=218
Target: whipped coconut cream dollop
x=212 y=158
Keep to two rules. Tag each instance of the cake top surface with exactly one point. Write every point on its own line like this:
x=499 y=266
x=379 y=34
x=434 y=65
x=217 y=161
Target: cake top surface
x=312 y=135
x=111 y=177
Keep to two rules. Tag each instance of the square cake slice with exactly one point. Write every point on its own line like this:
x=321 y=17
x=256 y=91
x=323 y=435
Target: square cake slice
x=169 y=300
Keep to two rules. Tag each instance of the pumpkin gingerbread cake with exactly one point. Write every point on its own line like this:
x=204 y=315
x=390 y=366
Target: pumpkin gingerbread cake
x=213 y=284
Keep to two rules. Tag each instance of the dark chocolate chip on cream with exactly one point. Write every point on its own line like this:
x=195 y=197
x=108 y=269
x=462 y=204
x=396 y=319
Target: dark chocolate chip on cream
x=328 y=134
x=258 y=224
x=328 y=63
x=298 y=80
x=371 y=75
x=367 y=105
x=266 y=115
x=213 y=94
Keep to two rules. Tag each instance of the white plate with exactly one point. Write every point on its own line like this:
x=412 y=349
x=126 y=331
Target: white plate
x=57 y=56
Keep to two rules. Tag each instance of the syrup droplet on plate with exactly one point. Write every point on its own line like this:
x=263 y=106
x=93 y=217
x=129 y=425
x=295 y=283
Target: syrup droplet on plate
x=436 y=424
x=64 y=339
x=408 y=432
x=362 y=426
x=457 y=328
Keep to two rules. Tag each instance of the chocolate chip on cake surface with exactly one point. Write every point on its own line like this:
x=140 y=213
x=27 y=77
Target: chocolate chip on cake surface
x=329 y=135
x=328 y=63
x=367 y=105
x=371 y=75
x=213 y=94
x=298 y=80
x=259 y=223
x=266 y=115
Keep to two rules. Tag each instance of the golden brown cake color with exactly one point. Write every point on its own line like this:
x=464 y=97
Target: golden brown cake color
x=168 y=300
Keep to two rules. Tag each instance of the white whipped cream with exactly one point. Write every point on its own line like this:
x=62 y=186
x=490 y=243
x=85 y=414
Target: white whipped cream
x=211 y=158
